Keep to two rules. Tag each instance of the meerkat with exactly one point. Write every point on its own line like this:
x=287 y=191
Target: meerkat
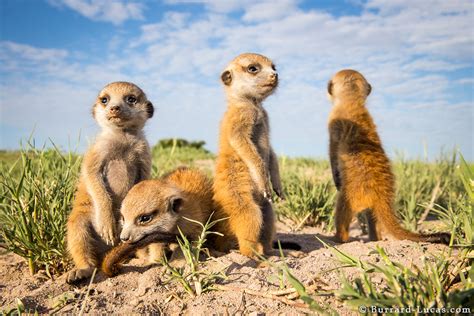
x=247 y=166
x=119 y=158
x=160 y=208
x=360 y=168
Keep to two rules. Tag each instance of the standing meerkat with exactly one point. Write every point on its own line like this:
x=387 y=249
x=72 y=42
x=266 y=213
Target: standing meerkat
x=360 y=167
x=160 y=209
x=246 y=166
x=119 y=158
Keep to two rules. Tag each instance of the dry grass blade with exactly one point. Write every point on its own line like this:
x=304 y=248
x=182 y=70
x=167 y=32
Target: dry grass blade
x=261 y=294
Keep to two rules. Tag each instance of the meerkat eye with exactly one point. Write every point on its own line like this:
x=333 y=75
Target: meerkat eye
x=253 y=69
x=104 y=100
x=273 y=67
x=131 y=99
x=145 y=218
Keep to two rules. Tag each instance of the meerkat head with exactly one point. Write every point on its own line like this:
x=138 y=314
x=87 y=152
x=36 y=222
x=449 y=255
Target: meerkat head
x=151 y=206
x=122 y=105
x=348 y=83
x=250 y=76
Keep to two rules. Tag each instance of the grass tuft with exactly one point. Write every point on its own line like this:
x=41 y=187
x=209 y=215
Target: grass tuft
x=194 y=279
x=34 y=206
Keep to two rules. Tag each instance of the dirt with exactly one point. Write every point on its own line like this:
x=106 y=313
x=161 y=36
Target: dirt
x=144 y=290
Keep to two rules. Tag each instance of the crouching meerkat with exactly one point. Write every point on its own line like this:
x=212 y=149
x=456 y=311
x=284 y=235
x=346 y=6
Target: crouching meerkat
x=119 y=158
x=246 y=166
x=360 y=167
x=156 y=210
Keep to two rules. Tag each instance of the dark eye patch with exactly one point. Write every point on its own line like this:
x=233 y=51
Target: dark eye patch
x=131 y=99
x=253 y=68
x=145 y=218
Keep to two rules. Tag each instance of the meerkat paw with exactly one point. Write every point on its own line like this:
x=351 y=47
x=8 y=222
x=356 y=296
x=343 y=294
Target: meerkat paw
x=107 y=231
x=108 y=235
x=79 y=274
x=341 y=237
x=267 y=195
x=251 y=249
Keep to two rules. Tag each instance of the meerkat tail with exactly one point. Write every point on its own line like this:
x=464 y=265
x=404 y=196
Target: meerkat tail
x=121 y=252
x=384 y=214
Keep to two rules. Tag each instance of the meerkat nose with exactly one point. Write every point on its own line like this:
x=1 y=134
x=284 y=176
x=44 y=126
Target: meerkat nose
x=124 y=238
x=115 y=109
x=274 y=75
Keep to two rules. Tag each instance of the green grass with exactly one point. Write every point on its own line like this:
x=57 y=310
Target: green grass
x=34 y=205
x=37 y=188
x=437 y=283
x=194 y=278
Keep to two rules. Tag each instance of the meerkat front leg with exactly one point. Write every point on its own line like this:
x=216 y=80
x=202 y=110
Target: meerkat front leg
x=247 y=151
x=275 y=174
x=104 y=220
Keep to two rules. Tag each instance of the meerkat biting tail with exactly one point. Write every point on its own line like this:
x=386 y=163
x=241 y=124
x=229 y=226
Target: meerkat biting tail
x=360 y=167
x=110 y=264
x=156 y=211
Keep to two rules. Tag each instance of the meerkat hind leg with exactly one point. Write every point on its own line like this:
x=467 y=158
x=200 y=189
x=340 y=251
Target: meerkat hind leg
x=268 y=229
x=343 y=218
x=247 y=225
x=373 y=226
x=84 y=248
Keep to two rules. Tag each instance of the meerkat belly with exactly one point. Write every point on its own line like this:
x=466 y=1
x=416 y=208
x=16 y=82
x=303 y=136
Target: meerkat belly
x=119 y=178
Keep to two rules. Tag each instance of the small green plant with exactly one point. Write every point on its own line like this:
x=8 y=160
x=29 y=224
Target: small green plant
x=194 y=279
x=420 y=185
x=18 y=309
x=433 y=285
x=34 y=206
x=308 y=203
x=284 y=273
x=458 y=215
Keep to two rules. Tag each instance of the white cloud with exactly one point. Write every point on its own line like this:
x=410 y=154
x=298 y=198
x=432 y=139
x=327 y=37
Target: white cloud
x=114 y=11
x=31 y=52
x=406 y=50
x=466 y=81
x=220 y=6
x=269 y=10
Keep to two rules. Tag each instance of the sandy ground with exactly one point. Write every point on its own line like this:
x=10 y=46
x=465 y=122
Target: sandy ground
x=140 y=290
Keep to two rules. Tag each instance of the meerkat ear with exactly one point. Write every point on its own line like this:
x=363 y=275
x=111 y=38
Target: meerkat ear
x=226 y=77
x=330 y=87
x=369 y=88
x=150 y=109
x=176 y=203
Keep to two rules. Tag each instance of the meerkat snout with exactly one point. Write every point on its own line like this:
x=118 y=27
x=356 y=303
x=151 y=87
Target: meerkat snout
x=123 y=237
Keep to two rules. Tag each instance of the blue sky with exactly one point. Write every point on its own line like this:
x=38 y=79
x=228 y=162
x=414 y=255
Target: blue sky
x=55 y=55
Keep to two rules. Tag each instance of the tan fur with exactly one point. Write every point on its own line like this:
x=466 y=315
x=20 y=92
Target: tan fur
x=119 y=158
x=246 y=166
x=165 y=203
x=360 y=167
